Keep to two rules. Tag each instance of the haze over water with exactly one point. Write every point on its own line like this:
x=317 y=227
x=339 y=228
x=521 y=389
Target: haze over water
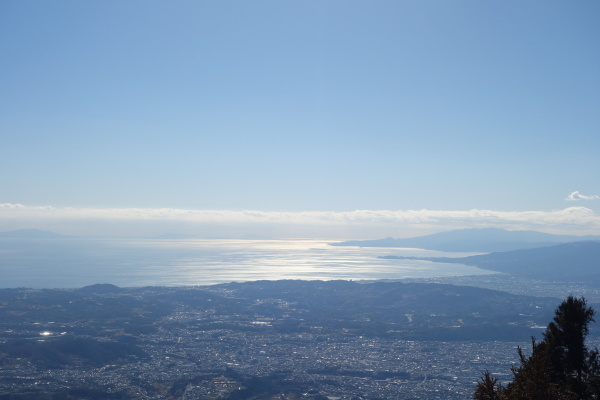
x=66 y=263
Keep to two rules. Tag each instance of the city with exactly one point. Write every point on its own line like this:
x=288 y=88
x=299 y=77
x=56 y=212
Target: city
x=253 y=341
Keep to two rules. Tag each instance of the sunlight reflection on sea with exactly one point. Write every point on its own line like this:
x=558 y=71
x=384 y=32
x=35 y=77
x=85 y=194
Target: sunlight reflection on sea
x=170 y=262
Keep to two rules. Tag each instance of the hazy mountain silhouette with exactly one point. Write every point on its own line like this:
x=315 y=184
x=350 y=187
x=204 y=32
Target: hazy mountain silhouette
x=475 y=240
x=183 y=236
x=31 y=234
x=565 y=262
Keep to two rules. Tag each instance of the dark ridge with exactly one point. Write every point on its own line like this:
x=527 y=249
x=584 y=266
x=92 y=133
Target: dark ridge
x=578 y=261
x=474 y=240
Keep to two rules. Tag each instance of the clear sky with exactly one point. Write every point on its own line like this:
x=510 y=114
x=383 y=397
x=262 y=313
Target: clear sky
x=117 y=111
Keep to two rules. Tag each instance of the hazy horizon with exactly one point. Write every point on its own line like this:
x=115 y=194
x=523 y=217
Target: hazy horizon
x=362 y=224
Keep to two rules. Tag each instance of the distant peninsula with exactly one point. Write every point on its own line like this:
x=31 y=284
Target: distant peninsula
x=578 y=261
x=479 y=240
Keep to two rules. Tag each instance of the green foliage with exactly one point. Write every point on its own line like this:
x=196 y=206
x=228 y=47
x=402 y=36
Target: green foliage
x=560 y=366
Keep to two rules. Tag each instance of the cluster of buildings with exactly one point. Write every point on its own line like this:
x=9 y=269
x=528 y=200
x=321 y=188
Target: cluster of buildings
x=186 y=360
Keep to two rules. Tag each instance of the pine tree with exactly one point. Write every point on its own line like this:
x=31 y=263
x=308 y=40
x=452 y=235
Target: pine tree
x=565 y=336
x=488 y=388
x=560 y=366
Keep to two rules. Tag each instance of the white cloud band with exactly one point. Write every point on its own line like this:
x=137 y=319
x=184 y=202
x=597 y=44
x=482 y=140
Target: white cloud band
x=359 y=223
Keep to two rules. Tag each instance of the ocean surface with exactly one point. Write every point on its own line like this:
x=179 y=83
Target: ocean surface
x=70 y=263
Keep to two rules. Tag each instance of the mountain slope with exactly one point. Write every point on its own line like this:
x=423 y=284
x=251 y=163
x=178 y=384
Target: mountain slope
x=576 y=261
x=474 y=240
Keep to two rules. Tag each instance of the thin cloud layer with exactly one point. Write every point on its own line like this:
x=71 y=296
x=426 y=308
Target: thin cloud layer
x=359 y=223
x=576 y=196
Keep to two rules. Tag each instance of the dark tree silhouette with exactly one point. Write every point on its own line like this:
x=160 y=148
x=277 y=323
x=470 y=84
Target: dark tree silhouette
x=560 y=365
x=488 y=388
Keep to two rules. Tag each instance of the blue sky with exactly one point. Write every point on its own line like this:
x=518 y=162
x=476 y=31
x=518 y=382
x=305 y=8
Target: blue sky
x=327 y=107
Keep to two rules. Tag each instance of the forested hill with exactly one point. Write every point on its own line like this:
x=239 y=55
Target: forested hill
x=413 y=311
x=483 y=240
x=579 y=261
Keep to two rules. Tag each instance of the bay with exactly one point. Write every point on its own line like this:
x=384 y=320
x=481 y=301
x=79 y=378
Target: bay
x=77 y=262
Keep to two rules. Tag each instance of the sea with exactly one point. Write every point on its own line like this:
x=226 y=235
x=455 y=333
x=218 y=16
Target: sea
x=78 y=262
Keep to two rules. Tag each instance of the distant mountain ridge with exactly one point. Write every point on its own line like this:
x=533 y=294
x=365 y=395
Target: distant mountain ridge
x=483 y=240
x=577 y=261
x=31 y=234
x=184 y=236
